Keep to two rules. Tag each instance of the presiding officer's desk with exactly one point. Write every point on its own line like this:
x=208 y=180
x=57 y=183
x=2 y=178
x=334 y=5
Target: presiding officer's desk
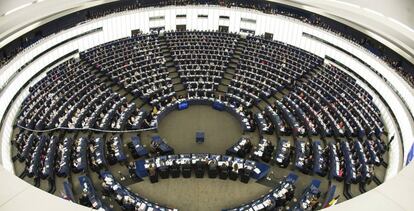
x=258 y=170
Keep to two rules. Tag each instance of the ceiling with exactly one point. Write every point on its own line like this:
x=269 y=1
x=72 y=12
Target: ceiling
x=397 y=9
x=388 y=21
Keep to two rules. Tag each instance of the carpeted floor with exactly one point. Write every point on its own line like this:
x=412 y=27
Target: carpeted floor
x=179 y=128
x=221 y=131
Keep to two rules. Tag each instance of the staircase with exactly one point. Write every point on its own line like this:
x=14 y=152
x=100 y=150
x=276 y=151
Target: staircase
x=303 y=79
x=105 y=79
x=170 y=65
x=231 y=67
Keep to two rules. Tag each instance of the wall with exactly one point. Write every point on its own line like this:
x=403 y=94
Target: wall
x=284 y=29
x=16 y=194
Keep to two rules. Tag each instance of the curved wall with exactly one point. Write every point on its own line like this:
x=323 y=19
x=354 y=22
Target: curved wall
x=16 y=192
x=284 y=29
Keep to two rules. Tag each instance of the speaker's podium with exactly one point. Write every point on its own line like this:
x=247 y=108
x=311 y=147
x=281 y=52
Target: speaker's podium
x=199 y=137
x=154 y=178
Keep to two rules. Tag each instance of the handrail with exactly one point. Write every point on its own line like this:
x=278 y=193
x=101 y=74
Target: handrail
x=373 y=89
x=34 y=76
x=87 y=129
x=365 y=64
x=47 y=51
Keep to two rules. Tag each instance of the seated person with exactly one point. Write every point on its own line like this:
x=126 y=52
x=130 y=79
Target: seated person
x=239 y=109
x=84 y=200
x=212 y=164
x=155 y=147
x=152 y=170
x=147 y=120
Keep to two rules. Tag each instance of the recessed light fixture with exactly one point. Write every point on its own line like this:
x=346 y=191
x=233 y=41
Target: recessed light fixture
x=348 y=4
x=373 y=12
x=17 y=8
x=401 y=24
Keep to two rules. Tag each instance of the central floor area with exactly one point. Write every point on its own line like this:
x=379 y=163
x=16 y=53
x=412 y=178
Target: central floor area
x=200 y=194
x=222 y=130
x=179 y=128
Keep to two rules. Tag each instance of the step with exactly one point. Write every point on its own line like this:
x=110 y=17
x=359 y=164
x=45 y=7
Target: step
x=235 y=59
x=178 y=87
x=109 y=83
x=256 y=109
x=138 y=101
x=222 y=88
x=241 y=44
x=228 y=76
x=232 y=65
x=175 y=80
x=240 y=50
x=145 y=106
x=218 y=93
x=262 y=104
x=182 y=93
x=230 y=71
x=174 y=74
x=170 y=64
x=226 y=81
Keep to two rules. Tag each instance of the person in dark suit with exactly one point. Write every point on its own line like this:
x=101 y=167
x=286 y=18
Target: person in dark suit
x=212 y=165
x=152 y=170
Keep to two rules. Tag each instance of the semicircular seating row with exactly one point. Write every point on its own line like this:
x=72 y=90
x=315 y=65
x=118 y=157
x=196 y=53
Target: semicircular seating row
x=321 y=100
x=45 y=156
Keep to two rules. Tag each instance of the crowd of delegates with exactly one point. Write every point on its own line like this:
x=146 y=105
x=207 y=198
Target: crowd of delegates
x=351 y=161
x=346 y=103
x=201 y=58
x=71 y=96
x=136 y=64
x=216 y=166
x=263 y=6
x=267 y=67
x=329 y=103
x=321 y=100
